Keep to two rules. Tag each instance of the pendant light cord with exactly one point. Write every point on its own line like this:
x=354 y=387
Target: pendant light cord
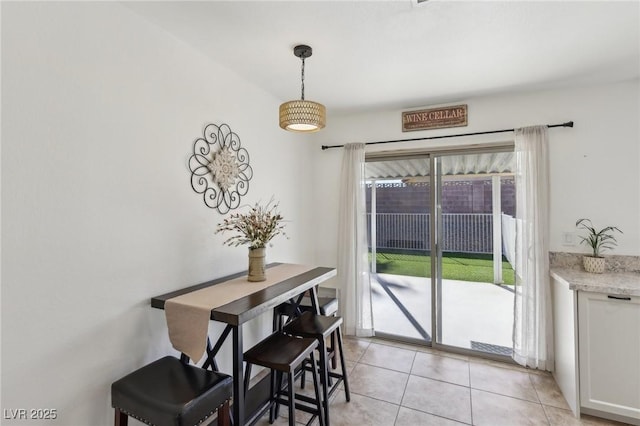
x=302 y=78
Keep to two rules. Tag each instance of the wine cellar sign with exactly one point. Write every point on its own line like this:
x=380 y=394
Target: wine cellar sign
x=434 y=118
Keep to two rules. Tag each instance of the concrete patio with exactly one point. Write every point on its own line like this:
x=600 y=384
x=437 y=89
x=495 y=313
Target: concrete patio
x=473 y=314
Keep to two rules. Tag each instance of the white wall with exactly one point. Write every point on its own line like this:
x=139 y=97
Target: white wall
x=595 y=167
x=100 y=110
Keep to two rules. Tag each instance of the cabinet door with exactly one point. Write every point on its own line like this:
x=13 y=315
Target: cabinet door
x=565 y=342
x=609 y=353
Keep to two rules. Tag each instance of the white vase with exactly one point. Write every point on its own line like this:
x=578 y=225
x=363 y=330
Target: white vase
x=593 y=264
x=257 y=264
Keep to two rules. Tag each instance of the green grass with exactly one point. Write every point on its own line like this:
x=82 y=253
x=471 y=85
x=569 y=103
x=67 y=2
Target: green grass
x=455 y=266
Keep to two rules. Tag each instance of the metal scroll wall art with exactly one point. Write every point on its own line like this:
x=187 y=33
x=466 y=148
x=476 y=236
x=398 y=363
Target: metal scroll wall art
x=220 y=169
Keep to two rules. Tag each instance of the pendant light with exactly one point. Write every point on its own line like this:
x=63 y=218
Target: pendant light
x=302 y=115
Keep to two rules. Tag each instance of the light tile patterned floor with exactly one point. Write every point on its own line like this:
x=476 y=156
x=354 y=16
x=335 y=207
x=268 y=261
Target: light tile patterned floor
x=404 y=385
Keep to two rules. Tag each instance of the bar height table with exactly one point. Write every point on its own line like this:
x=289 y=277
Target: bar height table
x=245 y=308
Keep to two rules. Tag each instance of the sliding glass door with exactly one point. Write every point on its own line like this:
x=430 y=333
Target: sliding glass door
x=440 y=238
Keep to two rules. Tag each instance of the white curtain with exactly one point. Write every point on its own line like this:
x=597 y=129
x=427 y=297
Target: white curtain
x=533 y=323
x=353 y=265
x=509 y=238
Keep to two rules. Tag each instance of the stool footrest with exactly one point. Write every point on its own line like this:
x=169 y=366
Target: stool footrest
x=298 y=405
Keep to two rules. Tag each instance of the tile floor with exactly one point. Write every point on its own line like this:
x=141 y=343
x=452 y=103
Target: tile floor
x=405 y=385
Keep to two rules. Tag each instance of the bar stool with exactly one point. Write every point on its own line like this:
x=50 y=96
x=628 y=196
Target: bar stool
x=168 y=392
x=284 y=354
x=320 y=327
x=327 y=306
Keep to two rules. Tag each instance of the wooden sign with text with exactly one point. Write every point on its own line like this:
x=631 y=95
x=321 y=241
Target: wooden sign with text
x=434 y=118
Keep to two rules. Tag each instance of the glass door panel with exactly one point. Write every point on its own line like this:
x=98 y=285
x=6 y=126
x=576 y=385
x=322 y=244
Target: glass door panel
x=474 y=202
x=398 y=212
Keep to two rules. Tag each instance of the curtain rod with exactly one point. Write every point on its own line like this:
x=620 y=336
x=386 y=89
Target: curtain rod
x=567 y=124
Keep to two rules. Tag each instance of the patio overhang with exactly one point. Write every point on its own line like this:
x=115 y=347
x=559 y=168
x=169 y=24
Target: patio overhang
x=468 y=165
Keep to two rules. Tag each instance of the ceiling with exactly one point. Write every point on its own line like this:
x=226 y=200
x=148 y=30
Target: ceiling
x=398 y=54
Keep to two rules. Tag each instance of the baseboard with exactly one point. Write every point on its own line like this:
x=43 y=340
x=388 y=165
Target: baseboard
x=610 y=416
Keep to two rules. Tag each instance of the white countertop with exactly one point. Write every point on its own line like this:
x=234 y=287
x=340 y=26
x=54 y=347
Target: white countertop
x=620 y=283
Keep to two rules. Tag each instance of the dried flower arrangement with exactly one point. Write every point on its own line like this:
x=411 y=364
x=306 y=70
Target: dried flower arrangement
x=256 y=228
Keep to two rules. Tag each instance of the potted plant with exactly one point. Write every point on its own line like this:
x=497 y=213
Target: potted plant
x=255 y=228
x=598 y=241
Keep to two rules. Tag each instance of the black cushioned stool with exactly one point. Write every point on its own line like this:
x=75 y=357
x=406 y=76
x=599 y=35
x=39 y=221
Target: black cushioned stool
x=284 y=354
x=320 y=327
x=168 y=392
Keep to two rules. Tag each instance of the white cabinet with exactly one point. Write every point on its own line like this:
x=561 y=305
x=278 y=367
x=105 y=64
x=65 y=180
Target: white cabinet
x=565 y=342
x=609 y=354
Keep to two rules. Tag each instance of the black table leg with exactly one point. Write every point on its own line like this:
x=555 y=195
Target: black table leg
x=314 y=299
x=238 y=381
x=213 y=351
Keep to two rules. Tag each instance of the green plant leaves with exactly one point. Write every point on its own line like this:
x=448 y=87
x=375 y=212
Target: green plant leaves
x=598 y=240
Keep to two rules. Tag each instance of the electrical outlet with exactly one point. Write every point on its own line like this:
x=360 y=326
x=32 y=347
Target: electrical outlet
x=568 y=239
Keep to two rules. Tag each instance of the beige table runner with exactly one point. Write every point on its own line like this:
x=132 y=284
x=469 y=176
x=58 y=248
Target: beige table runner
x=188 y=315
